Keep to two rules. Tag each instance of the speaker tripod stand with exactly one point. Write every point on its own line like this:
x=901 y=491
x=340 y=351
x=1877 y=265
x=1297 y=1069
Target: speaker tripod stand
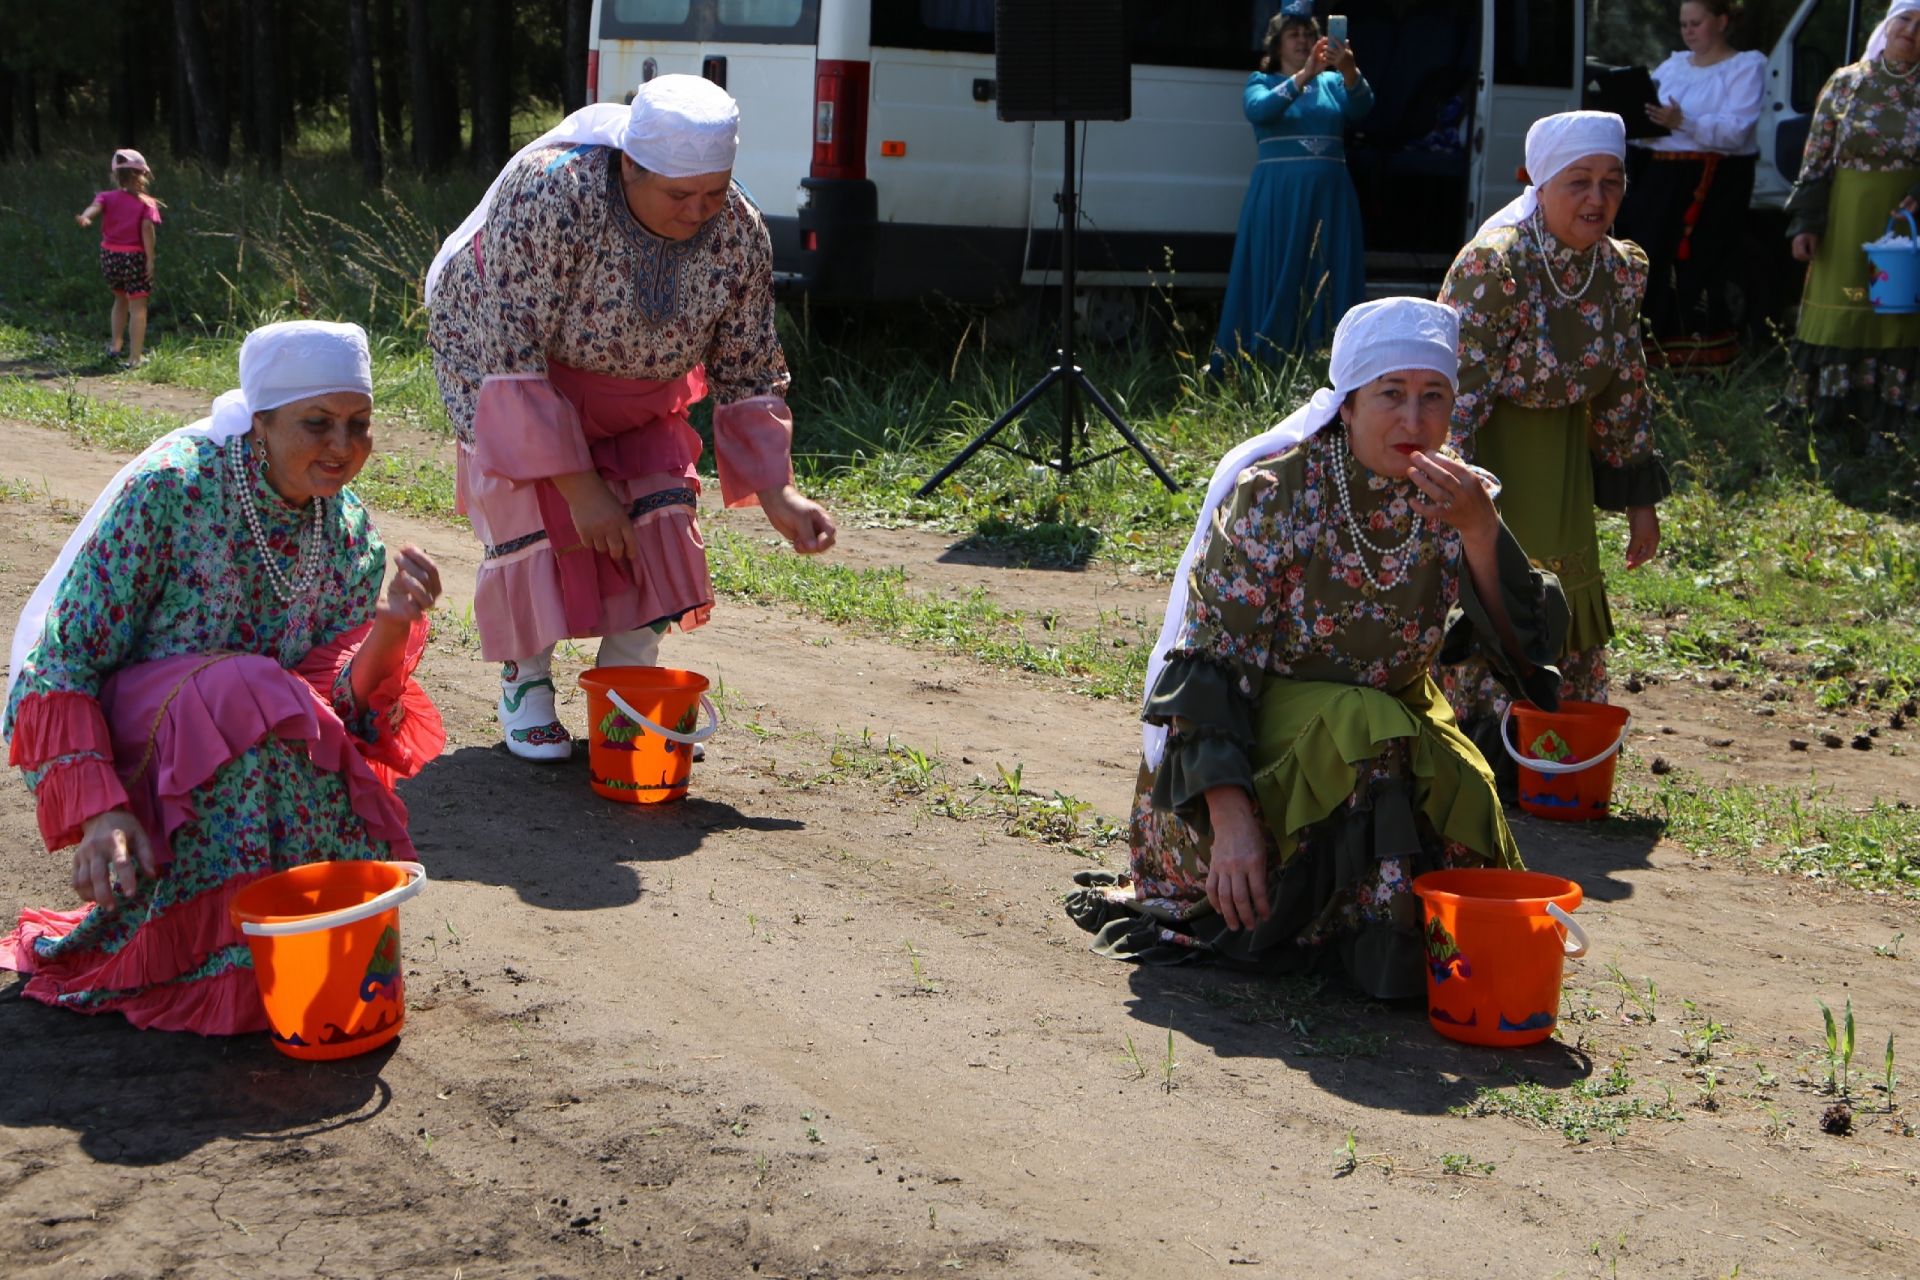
x=1066 y=374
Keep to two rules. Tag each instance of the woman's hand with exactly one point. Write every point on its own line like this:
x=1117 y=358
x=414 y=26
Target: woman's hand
x=113 y=850
x=1669 y=116
x=1237 y=868
x=412 y=591
x=1907 y=205
x=1317 y=61
x=1453 y=493
x=1643 y=535
x=1805 y=245
x=599 y=518
x=1343 y=61
x=82 y=219
x=800 y=520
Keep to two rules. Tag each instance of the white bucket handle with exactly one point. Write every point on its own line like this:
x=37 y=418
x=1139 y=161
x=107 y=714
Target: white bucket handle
x=1575 y=943
x=1553 y=767
x=690 y=739
x=416 y=881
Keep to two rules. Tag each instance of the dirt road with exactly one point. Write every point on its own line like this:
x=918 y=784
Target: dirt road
x=803 y=1024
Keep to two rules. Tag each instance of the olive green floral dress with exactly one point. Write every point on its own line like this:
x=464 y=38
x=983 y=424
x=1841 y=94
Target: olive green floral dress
x=1302 y=674
x=1853 y=369
x=1553 y=400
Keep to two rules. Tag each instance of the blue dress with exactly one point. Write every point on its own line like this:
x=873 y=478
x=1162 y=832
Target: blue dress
x=1298 y=260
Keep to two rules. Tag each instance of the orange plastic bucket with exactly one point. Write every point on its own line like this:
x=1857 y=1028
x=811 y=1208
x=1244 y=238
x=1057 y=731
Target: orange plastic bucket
x=1566 y=757
x=1496 y=944
x=640 y=730
x=325 y=939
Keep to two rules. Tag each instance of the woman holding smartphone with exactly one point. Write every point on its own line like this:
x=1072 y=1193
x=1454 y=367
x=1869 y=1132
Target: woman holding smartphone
x=1298 y=259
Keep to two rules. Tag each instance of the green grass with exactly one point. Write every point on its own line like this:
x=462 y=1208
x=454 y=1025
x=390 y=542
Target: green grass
x=1586 y=1109
x=104 y=424
x=879 y=602
x=1800 y=830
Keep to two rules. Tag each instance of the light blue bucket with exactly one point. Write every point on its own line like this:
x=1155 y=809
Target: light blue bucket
x=1893 y=274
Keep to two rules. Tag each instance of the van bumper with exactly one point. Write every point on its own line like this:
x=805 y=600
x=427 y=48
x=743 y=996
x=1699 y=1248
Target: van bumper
x=834 y=250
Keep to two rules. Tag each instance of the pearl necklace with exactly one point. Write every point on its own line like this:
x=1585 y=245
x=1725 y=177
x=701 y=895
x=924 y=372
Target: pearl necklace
x=1536 y=227
x=1361 y=542
x=307 y=568
x=1886 y=65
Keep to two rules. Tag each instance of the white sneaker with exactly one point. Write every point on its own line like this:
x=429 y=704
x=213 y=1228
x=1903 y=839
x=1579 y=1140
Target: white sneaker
x=529 y=724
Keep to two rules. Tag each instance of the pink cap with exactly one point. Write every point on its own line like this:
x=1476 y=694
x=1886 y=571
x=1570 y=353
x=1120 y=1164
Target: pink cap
x=128 y=158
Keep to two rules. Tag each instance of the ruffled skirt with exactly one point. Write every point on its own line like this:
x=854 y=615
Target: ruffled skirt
x=236 y=768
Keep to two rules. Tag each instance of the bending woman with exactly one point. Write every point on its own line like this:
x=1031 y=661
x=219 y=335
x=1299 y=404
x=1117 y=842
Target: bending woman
x=612 y=274
x=1312 y=769
x=210 y=686
x=1553 y=391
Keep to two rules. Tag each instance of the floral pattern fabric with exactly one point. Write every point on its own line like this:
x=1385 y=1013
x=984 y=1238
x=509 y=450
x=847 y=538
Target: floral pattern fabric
x=1520 y=340
x=173 y=570
x=1862 y=154
x=562 y=270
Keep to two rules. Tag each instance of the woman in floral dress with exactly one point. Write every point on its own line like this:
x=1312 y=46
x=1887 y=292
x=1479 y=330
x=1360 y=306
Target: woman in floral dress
x=1553 y=392
x=611 y=278
x=211 y=686
x=1853 y=368
x=1313 y=769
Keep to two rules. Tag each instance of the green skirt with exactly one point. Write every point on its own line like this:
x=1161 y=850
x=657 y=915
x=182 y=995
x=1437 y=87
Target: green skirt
x=1834 y=309
x=1545 y=463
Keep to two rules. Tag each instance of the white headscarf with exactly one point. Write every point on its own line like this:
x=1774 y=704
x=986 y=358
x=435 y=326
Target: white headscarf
x=279 y=363
x=1371 y=341
x=678 y=126
x=1877 y=42
x=1553 y=143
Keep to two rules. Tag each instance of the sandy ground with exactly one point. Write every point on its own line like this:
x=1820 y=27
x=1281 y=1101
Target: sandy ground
x=691 y=1040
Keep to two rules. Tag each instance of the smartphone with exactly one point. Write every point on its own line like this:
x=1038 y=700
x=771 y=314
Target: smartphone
x=1337 y=33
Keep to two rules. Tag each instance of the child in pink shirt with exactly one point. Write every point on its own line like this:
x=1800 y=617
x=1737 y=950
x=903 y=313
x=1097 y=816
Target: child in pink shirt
x=127 y=216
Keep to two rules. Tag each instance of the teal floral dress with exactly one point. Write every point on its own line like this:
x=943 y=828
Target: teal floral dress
x=1302 y=674
x=171 y=680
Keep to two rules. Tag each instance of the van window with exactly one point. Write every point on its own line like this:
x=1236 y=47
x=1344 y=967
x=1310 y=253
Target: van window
x=710 y=21
x=1533 y=43
x=949 y=26
x=1819 y=49
x=1217 y=34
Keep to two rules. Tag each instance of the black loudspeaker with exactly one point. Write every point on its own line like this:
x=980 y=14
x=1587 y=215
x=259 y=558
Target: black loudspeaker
x=1062 y=60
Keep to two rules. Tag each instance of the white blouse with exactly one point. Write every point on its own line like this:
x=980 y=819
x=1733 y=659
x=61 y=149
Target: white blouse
x=1720 y=104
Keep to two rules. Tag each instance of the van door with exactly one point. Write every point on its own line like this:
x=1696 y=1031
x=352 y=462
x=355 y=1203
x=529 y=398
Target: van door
x=1820 y=38
x=1532 y=64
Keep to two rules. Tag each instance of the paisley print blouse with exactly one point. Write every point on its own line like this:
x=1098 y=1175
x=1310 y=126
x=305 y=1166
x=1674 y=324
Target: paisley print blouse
x=563 y=270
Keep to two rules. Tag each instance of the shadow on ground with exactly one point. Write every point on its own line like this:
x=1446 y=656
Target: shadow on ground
x=146 y=1098
x=480 y=815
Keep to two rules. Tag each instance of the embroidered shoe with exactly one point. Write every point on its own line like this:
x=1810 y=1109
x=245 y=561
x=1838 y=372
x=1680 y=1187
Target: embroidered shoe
x=528 y=723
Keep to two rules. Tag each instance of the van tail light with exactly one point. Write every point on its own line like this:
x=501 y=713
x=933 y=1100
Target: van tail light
x=593 y=75
x=840 y=118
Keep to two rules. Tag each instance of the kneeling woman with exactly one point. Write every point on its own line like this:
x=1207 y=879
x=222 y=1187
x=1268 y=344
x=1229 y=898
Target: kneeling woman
x=210 y=686
x=1312 y=769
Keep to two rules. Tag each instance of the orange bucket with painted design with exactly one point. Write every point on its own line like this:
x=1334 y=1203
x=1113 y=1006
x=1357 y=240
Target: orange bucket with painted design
x=641 y=731
x=325 y=939
x=1566 y=757
x=1497 y=943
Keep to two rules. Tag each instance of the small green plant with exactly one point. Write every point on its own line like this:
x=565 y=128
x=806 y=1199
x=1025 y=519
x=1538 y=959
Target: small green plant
x=1646 y=1003
x=922 y=984
x=1839 y=1050
x=1461 y=1165
x=1010 y=778
x=1167 y=1064
x=1709 y=1087
x=1891 y=1078
x=1890 y=950
x=1132 y=1059
x=1349 y=1158
x=1698 y=1041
